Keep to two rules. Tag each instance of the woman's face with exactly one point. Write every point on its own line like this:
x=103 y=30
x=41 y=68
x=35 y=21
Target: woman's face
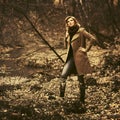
x=70 y=22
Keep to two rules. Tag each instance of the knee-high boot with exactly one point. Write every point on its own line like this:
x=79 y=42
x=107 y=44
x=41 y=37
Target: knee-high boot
x=62 y=87
x=82 y=88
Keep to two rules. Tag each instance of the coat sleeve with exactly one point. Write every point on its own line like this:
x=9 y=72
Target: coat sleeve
x=91 y=38
x=65 y=42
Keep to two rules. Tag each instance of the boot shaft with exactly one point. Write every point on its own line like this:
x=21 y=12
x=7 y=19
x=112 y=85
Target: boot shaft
x=82 y=88
x=62 y=87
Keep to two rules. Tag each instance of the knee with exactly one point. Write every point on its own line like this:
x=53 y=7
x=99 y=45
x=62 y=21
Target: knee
x=64 y=75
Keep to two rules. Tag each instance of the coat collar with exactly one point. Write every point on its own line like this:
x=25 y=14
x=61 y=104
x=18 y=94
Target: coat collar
x=76 y=35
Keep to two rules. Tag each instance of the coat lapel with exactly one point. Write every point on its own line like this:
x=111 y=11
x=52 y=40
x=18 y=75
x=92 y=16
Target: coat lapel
x=75 y=37
x=77 y=34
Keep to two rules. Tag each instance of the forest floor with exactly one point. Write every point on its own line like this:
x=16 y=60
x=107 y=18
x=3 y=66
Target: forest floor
x=29 y=90
x=29 y=83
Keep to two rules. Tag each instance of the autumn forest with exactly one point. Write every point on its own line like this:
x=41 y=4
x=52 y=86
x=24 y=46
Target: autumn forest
x=32 y=56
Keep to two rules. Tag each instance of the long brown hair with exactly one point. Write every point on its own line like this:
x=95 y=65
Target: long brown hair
x=66 y=25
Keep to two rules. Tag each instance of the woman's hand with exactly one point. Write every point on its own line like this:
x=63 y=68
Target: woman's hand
x=82 y=49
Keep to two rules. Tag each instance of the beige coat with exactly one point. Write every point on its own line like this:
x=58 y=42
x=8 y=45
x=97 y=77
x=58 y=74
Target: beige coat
x=81 y=60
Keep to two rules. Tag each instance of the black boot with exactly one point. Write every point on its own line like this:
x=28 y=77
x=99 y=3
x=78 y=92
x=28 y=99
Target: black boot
x=82 y=89
x=62 y=87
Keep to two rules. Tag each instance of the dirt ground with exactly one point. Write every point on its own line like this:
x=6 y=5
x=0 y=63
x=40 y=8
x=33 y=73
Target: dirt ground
x=29 y=87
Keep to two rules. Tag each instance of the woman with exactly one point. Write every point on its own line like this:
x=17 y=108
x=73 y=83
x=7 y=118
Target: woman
x=77 y=61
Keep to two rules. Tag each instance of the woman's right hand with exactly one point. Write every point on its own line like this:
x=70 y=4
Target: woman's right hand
x=82 y=49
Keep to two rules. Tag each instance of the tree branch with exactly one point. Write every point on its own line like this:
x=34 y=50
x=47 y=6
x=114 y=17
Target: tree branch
x=35 y=29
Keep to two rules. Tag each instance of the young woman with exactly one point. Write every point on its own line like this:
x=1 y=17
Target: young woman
x=77 y=61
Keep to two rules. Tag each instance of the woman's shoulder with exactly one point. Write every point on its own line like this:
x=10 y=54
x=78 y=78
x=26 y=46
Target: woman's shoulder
x=81 y=29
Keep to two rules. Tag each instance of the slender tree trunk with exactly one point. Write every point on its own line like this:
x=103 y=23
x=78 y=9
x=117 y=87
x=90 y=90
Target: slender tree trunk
x=114 y=24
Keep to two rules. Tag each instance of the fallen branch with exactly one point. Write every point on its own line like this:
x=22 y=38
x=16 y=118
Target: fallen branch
x=40 y=35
